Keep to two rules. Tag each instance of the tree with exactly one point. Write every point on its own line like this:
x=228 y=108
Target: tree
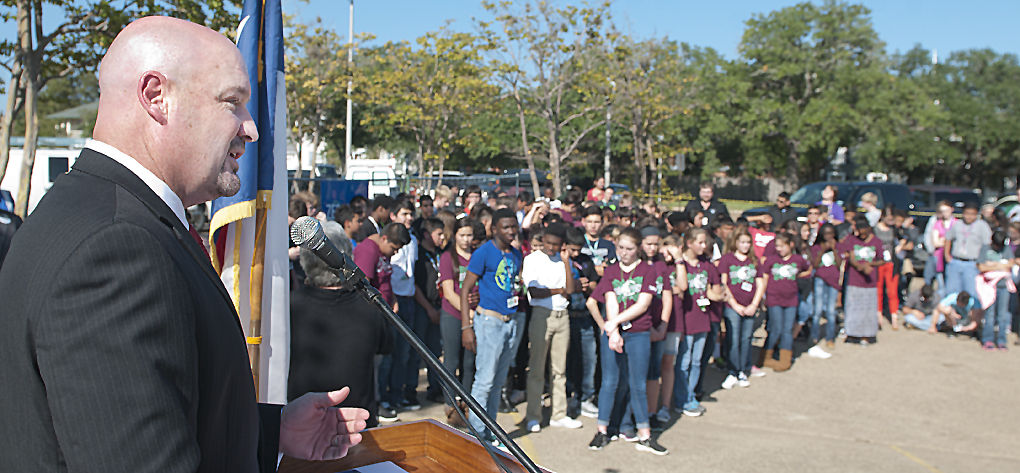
x=808 y=67
x=430 y=92
x=316 y=69
x=547 y=61
x=77 y=43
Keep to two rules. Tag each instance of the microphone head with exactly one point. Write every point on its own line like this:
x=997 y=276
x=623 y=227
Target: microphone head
x=306 y=232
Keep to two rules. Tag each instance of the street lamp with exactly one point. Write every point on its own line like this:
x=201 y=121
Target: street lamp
x=350 y=82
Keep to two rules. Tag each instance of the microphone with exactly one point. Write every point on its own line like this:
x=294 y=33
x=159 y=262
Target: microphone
x=307 y=233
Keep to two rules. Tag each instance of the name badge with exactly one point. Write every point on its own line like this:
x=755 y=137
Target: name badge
x=887 y=255
x=626 y=326
x=746 y=287
x=511 y=302
x=703 y=302
x=704 y=221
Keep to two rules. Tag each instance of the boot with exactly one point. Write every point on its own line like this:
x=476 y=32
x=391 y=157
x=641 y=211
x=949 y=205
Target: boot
x=785 y=360
x=765 y=358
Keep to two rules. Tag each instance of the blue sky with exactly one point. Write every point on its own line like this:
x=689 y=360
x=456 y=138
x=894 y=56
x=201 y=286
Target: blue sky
x=936 y=24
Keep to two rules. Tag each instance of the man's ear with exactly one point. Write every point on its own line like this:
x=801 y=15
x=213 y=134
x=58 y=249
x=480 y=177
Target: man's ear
x=152 y=91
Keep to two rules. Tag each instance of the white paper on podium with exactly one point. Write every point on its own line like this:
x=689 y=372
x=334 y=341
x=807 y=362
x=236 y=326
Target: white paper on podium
x=384 y=467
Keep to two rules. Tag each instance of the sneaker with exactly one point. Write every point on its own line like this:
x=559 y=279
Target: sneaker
x=496 y=443
x=629 y=437
x=599 y=442
x=651 y=446
x=989 y=346
x=589 y=409
x=663 y=415
x=830 y=344
x=817 y=352
x=695 y=411
x=534 y=426
x=1003 y=348
x=387 y=413
x=757 y=372
x=655 y=425
x=729 y=382
x=742 y=380
x=566 y=423
x=410 y=404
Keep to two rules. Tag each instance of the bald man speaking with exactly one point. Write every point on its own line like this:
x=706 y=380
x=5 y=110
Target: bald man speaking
x=120 y=350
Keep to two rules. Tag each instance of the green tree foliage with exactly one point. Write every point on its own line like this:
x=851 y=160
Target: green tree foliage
x=549 y=63
x=428 y=91
x=808 y=67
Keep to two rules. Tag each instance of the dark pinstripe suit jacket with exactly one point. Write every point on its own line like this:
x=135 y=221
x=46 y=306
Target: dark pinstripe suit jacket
x=120 y=349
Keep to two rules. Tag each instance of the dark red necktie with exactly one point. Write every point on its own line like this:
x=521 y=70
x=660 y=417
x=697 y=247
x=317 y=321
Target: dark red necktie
x=198 y=239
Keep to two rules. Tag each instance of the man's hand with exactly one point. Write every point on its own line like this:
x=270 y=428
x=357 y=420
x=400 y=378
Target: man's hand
x=600 y=269
x=467 y=339
x=432 y=313
x=312 y=429
x=473 y=298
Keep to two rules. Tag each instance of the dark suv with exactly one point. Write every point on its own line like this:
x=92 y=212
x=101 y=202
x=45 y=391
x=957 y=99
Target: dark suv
x=849 y=193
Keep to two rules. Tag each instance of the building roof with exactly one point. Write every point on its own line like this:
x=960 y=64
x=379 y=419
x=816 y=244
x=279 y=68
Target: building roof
x=75 y=113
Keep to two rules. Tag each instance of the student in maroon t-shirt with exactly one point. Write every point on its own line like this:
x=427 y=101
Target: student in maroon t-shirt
x=780 y=273
x=661 y=310
x=745 y=288
x=703 y=288
x=860 y=302
x=672 y=253
x=627 y=289
x=373 y=254
x=827 y=260
x=452 y=269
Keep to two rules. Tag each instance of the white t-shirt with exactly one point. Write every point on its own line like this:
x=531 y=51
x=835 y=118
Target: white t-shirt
x=542 y=271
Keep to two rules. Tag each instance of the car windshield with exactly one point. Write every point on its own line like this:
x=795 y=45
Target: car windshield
x=812 y=193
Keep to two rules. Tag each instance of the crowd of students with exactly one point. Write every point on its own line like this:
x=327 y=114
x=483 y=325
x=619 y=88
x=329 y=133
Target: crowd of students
x=628 y=304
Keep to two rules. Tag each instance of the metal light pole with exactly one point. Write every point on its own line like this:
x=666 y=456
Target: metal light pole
x=350 y=83
x=609 y=117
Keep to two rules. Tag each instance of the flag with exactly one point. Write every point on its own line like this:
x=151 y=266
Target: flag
x=248 y=232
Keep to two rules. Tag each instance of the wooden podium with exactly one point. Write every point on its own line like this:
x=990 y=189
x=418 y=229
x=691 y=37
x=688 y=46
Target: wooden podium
x=420 y=446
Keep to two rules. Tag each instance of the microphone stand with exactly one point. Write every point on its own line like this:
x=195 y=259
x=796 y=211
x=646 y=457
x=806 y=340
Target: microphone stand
x=373 y=295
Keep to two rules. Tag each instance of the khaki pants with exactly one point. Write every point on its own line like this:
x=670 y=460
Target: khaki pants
x=549 y=334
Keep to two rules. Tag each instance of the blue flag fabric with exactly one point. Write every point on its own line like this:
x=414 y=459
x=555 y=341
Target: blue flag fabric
x=260 y=39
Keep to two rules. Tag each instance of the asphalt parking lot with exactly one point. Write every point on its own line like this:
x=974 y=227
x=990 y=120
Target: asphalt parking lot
x=910 y=403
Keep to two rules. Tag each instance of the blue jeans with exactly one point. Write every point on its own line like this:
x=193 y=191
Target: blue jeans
x=688 y=370
x=960 y=276
x=497 y=345
x=921 y=323
x=430 y=334
x=738 y=331
x=655 y=360
x=781 y=327
x=997 y=314
x=393 y=368
x=825 y=303
x=706 y=354
x=581 y=358
x=636 y=350
x=805 y=308
x=930 y=274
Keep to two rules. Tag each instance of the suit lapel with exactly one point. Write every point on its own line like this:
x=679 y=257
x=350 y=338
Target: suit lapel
x=100 y=165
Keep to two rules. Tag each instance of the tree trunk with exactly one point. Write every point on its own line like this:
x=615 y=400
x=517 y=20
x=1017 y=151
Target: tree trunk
x=554 y=160
x=524 y=146
x=31 y=89
x=13 y=89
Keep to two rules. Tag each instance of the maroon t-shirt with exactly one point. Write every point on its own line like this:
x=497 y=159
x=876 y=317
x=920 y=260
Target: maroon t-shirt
x=627 y=287
x=662 y=282
x=864 y=251
x=376 y=267
x=741 y=277
x=448 y=273
x=696 y=318
x=827 y=269
x=782 y=286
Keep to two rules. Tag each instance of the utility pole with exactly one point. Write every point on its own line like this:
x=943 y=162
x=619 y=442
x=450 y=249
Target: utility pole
x=350 y=83
x=609 y=117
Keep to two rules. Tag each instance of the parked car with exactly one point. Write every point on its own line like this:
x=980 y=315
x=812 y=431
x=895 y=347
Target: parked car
x=928 y=196
x=849 y=194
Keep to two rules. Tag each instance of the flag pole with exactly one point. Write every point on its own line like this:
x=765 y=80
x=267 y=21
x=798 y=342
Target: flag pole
x=255 y=294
